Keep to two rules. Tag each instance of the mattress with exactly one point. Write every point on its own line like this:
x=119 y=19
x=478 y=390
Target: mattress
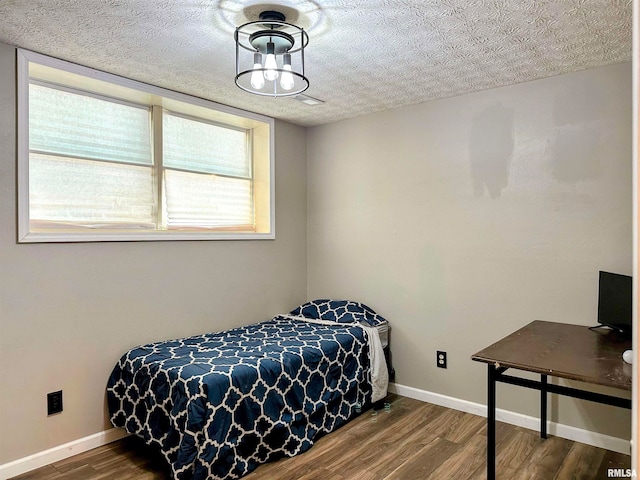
x=220 y=404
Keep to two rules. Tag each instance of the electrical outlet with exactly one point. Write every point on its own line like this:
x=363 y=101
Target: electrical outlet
x=54 y=402
x=441 y=359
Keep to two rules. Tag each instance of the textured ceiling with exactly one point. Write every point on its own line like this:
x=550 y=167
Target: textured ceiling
x=363 y=55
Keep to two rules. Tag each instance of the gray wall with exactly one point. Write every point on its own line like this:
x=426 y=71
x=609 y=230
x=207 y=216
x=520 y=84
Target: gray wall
x=68 y=311
x=463 y=219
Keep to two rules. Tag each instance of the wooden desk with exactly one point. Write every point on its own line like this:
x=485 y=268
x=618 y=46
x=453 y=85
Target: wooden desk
x=560 y=350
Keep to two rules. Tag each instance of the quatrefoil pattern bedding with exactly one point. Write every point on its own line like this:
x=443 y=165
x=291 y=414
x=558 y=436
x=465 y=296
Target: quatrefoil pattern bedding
x=220 y=404
x=341 y=311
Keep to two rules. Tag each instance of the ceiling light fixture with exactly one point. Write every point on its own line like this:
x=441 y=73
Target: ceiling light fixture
x=270 y=56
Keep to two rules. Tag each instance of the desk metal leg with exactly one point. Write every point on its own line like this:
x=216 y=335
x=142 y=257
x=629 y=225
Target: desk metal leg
x=491 y=423
x=543 y=406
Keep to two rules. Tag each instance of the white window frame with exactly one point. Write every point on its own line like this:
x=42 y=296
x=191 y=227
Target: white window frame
x=262 y=128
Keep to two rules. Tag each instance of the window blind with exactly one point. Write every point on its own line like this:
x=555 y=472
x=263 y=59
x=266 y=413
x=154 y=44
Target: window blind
x=67 y=191
x=207 y=201
x=207 y=175
x=90 y=161
x=82 y=126
x=189 y=144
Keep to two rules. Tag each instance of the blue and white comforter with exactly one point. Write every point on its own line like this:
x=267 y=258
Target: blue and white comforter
x=220 y=404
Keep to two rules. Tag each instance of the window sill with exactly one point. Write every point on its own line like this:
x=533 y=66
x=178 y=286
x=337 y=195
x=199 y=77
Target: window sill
x=137 y=236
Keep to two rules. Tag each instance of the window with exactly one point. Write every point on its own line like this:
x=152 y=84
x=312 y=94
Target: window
x=102 y=158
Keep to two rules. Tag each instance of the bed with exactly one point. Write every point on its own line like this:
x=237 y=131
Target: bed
x=218 y=405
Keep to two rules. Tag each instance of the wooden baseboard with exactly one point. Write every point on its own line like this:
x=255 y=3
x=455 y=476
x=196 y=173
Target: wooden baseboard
x=575 y=434
x=55 y=454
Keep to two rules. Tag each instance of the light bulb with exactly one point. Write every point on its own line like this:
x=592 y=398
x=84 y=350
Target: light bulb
x=257 y=79
x=287 y=81
x=270 y=63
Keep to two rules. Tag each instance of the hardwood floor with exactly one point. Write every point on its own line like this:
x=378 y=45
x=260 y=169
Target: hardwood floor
x=412 y=441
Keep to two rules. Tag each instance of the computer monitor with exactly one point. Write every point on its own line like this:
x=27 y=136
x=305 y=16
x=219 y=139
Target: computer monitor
x=615 y=301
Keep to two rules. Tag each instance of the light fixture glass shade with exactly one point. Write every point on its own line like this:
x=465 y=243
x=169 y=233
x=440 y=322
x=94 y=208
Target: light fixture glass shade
x=282 y=47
